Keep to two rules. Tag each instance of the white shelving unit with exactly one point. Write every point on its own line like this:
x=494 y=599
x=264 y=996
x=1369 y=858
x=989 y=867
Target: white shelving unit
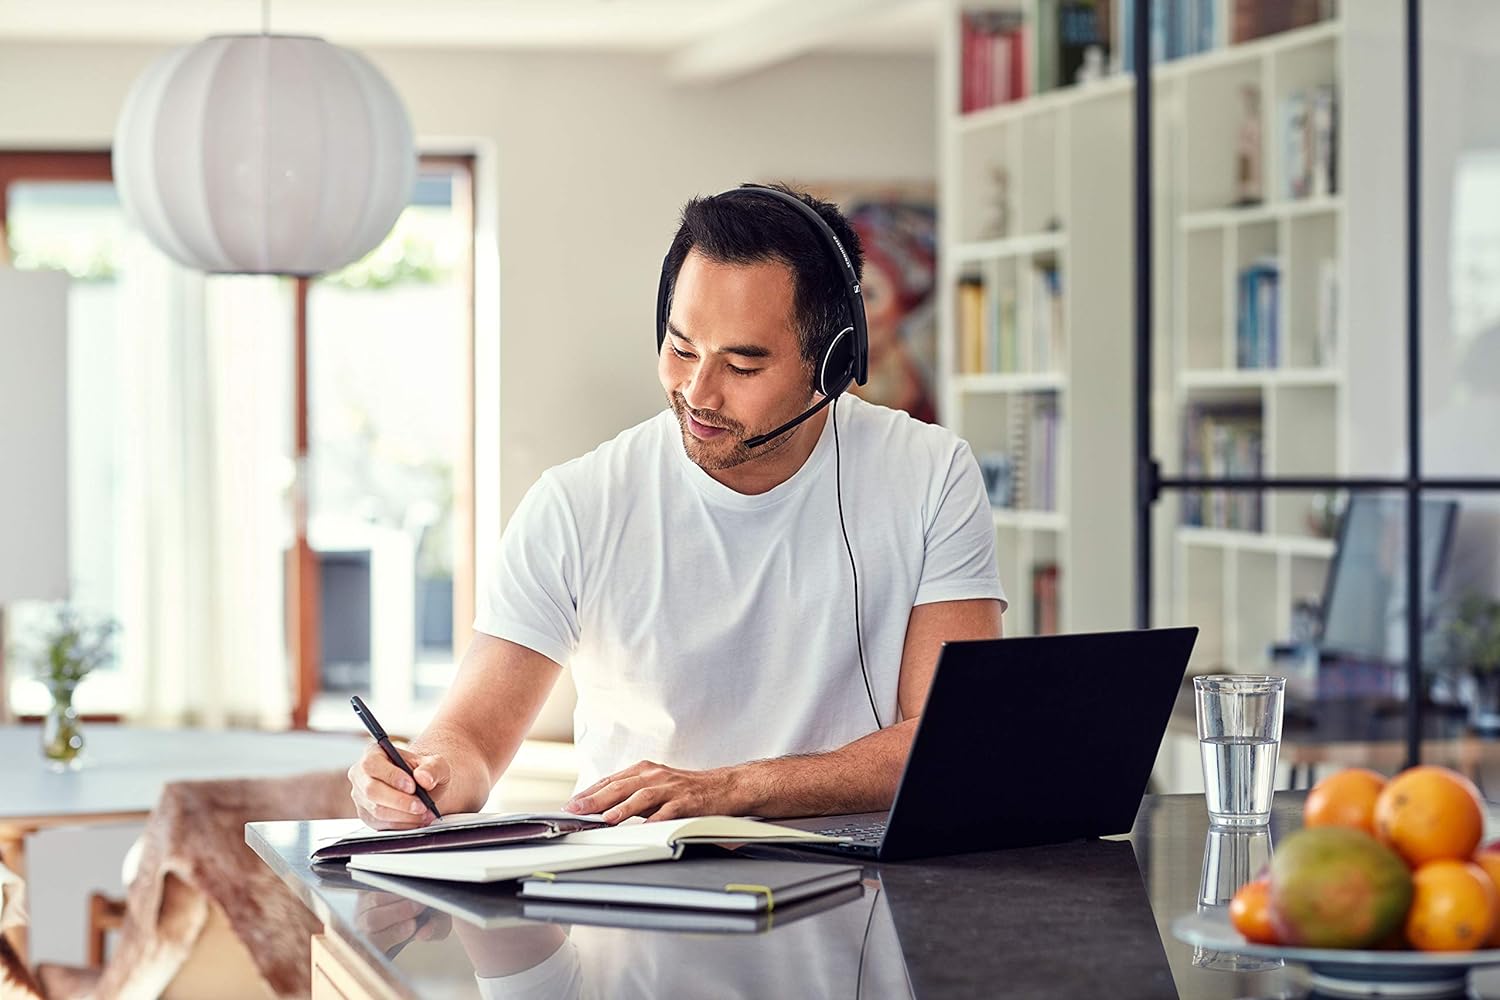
x=1324 y=407
x=1046 y=182
x=1049 y=177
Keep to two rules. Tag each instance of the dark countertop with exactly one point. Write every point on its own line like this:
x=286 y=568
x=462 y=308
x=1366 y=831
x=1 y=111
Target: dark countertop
x=1074 y=920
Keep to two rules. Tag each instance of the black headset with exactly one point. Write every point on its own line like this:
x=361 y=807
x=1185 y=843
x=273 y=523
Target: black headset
x=847 y=358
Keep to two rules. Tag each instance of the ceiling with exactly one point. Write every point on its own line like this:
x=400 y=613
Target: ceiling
x=703 y=40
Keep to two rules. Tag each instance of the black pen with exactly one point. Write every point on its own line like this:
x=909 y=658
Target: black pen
x=368 y=718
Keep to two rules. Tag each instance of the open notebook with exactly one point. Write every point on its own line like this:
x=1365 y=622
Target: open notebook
x=455 y=830
x=626 y=844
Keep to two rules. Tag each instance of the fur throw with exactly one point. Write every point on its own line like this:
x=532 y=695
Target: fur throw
x=15 y=980
x=193 y=856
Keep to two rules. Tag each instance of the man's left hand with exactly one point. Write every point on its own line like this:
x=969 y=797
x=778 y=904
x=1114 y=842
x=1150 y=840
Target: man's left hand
x=658 y=792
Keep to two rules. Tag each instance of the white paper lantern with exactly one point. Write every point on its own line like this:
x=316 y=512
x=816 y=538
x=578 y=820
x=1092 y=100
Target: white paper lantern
x=263 y=154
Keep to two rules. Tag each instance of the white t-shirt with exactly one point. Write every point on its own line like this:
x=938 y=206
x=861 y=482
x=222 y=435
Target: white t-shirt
x=705 y=627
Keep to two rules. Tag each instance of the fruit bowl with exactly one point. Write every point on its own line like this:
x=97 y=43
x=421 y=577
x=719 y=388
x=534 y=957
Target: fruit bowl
x=1347 y=972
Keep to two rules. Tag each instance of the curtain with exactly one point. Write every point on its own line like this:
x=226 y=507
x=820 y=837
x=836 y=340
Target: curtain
x=206 y=478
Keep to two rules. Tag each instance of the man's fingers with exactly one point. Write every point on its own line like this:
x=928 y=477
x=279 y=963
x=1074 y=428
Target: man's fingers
x=385 y=914
x=642 y=803
x=377 y=766
x=612 y=794
x=590 y=801
x=431 y=770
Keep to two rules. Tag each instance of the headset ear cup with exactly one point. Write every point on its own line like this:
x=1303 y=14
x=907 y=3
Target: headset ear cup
x=833 y=375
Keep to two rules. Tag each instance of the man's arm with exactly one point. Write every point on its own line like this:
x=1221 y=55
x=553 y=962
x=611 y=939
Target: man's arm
x=858 y=777
x=493 y=701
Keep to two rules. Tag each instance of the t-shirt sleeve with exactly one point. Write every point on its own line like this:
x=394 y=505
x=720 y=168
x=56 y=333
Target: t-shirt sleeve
x=959 y=560
x=530 y=596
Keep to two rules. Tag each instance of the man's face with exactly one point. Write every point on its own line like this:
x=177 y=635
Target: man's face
x=732 y=366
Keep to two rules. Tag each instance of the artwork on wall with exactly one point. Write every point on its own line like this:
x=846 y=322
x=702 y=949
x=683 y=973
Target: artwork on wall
x=897 y=225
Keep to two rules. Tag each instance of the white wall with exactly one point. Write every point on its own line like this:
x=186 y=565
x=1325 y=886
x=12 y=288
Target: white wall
x=593 y=156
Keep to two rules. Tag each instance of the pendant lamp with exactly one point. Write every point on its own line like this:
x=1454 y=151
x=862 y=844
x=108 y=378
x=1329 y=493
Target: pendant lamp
x=263 y=154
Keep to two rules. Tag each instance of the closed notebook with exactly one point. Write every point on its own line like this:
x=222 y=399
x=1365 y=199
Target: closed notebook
x=625 y=844
x=703 y=883
x=455 y=830
x=667 y=918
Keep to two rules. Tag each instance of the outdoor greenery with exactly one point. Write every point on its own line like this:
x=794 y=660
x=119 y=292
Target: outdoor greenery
x=1474 y=635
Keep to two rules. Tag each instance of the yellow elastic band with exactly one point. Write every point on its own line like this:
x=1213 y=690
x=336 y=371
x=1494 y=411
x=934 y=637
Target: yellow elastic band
x=546 y=875
x=770 y=900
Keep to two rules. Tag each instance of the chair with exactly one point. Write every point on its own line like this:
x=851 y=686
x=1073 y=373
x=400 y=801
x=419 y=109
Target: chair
x=203 y=915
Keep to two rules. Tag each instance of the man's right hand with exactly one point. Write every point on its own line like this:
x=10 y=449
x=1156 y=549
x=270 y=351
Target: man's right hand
x=384 y=795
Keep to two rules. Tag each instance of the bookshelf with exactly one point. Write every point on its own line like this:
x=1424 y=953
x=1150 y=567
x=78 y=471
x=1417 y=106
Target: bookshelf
x=1035 y=346
x=1304 y=388
x=1266 y=362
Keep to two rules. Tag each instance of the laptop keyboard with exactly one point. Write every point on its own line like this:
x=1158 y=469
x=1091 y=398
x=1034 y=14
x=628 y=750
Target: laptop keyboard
x=870 y=832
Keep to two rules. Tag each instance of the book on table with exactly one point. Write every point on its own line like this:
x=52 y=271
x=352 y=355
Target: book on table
x=741 y=884
x=495 y=906
x=667 y=918
x=453 y=831
x=602 y=846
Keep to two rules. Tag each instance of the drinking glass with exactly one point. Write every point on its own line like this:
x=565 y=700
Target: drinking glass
x=1239 y=734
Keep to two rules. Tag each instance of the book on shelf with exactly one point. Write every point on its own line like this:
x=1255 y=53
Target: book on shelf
x=1034 y=430
x=1046 y=315
x=987 y=330
x=1258 y=320
x=1042 y=452
x=1328 y=313
x=1253 y=19
x=1309 y=122
x=746 y=885
x=1222 y=442
x=454 y=830
x=992 y=58
x=601 y=847
x=1044 y=596
x=1178 y=28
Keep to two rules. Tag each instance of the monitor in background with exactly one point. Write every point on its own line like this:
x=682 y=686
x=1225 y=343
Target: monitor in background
x=1364 y=599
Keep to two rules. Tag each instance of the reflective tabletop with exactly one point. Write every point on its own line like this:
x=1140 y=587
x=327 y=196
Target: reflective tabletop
x=1072 y=920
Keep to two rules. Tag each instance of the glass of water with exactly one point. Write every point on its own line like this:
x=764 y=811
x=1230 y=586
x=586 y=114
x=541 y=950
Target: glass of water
x=1239 y=733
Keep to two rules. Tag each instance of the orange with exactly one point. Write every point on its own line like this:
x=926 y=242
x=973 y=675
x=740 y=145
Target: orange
x=1430 y=813
x=1454 y=907
x=1346 y=798
x=1250 y=912
x=1488 y=858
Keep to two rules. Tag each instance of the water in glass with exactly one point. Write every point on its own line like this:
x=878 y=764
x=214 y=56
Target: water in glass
x=1238 y=775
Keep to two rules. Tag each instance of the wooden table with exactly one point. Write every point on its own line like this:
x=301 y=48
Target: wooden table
x=125 y=768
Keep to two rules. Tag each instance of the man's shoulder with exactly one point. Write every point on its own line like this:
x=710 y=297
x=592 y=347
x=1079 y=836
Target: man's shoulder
x=897 y=434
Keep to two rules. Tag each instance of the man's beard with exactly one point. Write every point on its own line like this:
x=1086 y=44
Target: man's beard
x=727 y=450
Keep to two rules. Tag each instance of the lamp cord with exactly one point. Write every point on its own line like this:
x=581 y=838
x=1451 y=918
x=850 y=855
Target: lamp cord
x=265 y=17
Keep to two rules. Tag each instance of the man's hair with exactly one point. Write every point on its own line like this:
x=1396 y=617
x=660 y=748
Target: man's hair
x=744 y=228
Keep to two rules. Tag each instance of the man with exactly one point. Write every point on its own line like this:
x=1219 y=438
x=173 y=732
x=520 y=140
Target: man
x=703 y=589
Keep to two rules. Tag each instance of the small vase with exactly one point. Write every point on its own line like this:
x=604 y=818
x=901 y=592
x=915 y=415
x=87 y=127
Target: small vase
x=62 y=737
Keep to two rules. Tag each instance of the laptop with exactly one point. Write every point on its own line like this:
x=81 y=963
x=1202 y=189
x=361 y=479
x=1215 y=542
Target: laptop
x=1034 y=740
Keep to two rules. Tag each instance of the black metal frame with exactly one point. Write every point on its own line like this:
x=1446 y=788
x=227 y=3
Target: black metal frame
x=1150 y=482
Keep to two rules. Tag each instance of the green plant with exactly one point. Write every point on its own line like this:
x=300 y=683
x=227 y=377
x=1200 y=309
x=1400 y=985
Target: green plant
x=1474 y=635
x=71 y=646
